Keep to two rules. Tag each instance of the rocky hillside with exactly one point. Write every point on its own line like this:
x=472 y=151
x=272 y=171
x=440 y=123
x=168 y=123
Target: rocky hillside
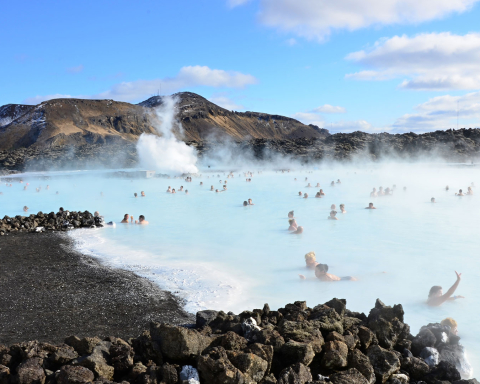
x=76 y=122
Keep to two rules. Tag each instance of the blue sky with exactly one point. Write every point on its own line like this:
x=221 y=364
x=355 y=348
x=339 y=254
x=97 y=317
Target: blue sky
x=346 y=65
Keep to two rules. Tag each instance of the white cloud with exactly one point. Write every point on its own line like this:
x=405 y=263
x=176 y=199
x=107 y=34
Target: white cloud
x=39 y=99
x=291 y=42
x=225 y=102
x=315 y=19
x=430 y=61
x=187 y=77
x=440 y=113
x=77 y=69
x=236 y=3
x=327 y=108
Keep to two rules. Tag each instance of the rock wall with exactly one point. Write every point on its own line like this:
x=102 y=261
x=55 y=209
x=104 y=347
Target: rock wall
x=294 y=345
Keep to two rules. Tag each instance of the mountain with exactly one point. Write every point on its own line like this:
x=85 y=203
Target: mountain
x=76 y=122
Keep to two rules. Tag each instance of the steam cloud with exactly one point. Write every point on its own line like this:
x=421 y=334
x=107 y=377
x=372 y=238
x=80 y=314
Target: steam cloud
x=166 y=154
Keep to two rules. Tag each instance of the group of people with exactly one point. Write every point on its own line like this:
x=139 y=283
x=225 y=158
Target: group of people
x=129 y=220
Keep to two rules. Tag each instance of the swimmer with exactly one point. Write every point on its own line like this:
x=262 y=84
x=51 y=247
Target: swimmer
x=432 y=200
x=339 y=182
x=181 y=188
x=169 y=190
x=436 y=296
x=142 y=194
x=300 y=193
x=25 y=188
x=25 y=209
x=201 y=183
x=211 y=188
x=332 y=184
x=250 y=202
x=311 y=260
x=380 y=191
x=245 y=204
x=452 y=324
x=318 y=185
x=470 y=191
x=318 y=195
x=305 y=196
x=387 y=191
x=293 y=225
x=321 y=274
x=48 y=187
x=460 y=193
x=446 y=188
x=141 y=220
x=135 y=194
x=342 y=208
x=370 y=206
x=186 y=191
x=306 y=178
x=290 y=214
x=333 y=207
x=373 y=193
x=321 y=192
x=295 y=179
x=332 y=215
x=298 y=231
x=224 y=187
x=125 y=219
x=173 y=190
x=308 y=186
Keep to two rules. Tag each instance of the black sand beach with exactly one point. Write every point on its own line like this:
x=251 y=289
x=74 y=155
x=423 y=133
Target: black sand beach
x=48 y=291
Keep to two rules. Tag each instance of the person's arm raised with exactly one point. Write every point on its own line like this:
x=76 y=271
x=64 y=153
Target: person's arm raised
x=452 y=289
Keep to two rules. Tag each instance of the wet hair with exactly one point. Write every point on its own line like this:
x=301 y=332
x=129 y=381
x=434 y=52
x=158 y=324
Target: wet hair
x=135 y=194
x=245 y=203
x=450 y=322
x=434 y=290
x=141 y=217
x=334 y=212
x=342 y=205
x=323 y=268
x=310 y=256
x=125 y=216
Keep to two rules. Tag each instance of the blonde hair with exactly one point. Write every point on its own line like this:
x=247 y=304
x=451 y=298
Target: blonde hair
x=310 y=256
x=450 y=322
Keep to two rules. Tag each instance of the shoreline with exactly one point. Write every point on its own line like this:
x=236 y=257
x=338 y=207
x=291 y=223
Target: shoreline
x=51 y=291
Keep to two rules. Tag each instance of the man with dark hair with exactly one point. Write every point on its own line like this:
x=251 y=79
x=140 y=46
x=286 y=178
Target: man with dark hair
x=141 y=220
x=436 y=296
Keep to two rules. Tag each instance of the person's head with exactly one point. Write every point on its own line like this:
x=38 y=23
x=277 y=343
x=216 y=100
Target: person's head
x=141 y=218
x=186 y=191
x=370 y=205
x=460 y=191
x=432 y=199
x=125 y=217
x=173 y=190
x=96 y=214
x=217 y=190
x=290 y=214
x=469 y=188
x=435 y=291
x=305 y=195
x=451 y=323
x=300 y=193
x=321 y=190
x=342 y=207
x=310 y=258
x=60 y=209
x=333 y=207
x=321 y=270
x=135 y=194
x=245 y=203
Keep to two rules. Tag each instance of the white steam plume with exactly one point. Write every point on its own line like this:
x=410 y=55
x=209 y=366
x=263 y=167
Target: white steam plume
x=166 y=154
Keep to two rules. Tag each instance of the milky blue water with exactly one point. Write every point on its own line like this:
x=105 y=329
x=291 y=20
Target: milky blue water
x=217 y=254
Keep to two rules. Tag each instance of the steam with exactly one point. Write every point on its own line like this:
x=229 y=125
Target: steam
x=166 y=154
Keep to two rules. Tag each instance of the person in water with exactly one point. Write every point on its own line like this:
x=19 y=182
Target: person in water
x=446 y=188
x=135 y=194
x=339 y=182
x=211 y=188
x=25 y=208
x=311 y=260
x=318 y=185
x=370 y=206
x=300 y=193
x=173 y=190
x=142 y=194
x=250 y=202
x=342 y=208
x=201 y=183
x=333 y=207
x=125 y=219
x=469 y=191
x=245 y=203
x=290 y=214
x=333 y=215
x=141 y=220
x=332 y=184
x=186 y=191
x=169 y=190
x=373 y=193
x=460 y=193
x=305 y=196
x=321 y=274
x=298 y=231
x=308 y=186
x=318 y=195
x=432 y=200
x=321 y=192
x=436 y=296
x=293 y=225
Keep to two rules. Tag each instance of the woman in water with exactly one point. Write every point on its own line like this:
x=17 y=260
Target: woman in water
x=342 y=208
x=169 y=190
x=293 y=225
x=311 y=260
x=436 y=296
x=321 y=192
x=305 y=196
x=318 y=195
x=321 y=274
x=333 y=215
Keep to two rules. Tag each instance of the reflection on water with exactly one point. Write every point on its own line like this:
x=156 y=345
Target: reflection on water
x=218 y=254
